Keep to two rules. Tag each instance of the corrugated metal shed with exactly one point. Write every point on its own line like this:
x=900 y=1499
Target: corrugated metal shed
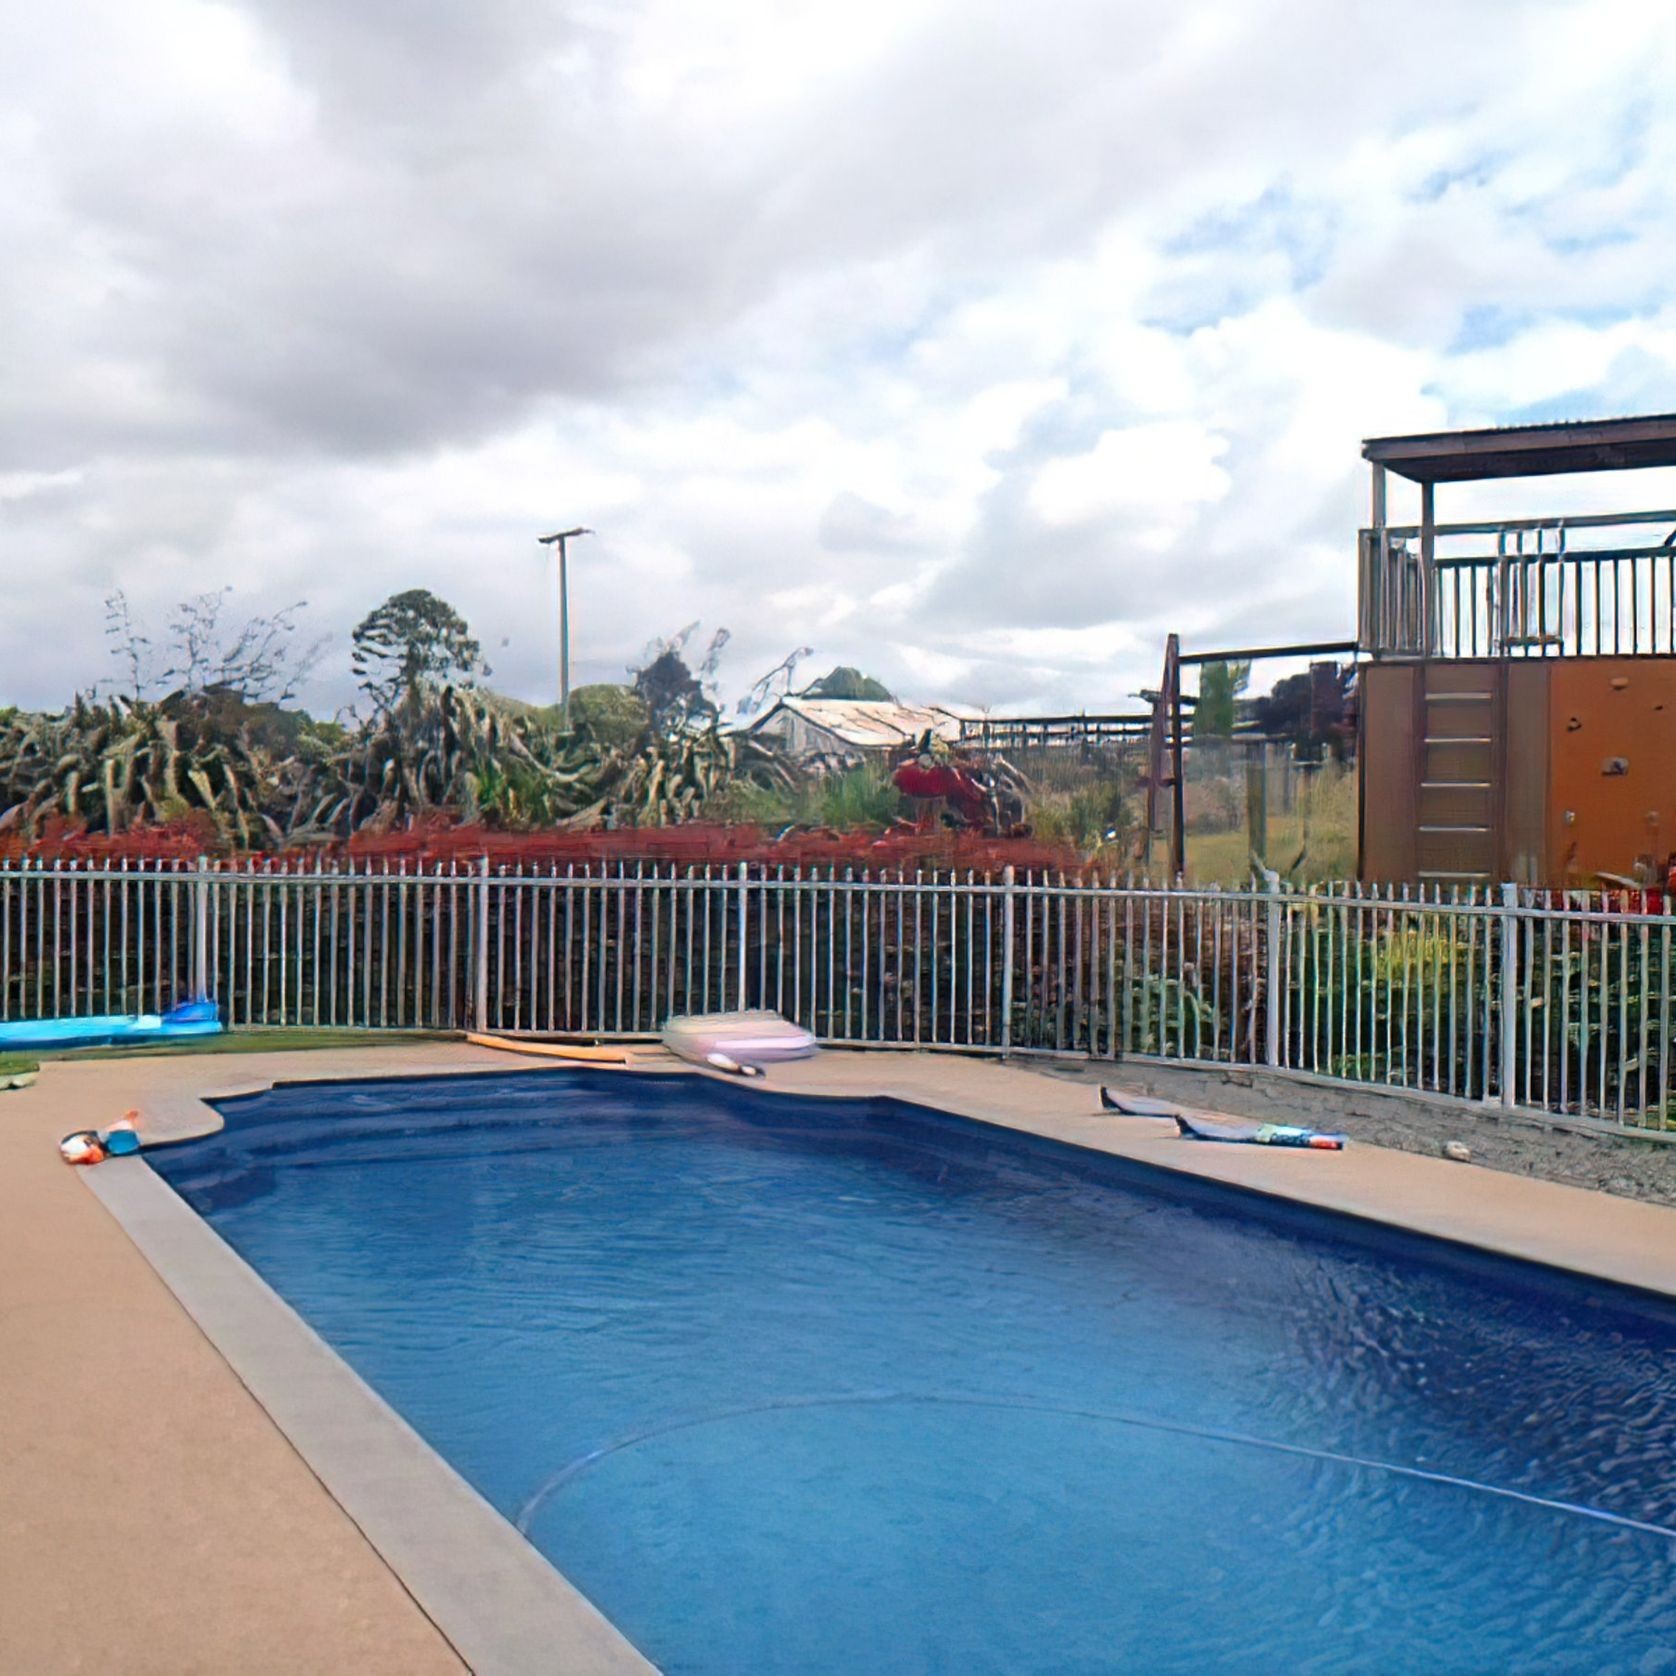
x=857 y=725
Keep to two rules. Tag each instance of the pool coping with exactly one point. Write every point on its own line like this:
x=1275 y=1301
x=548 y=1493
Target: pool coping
x=492 y=1595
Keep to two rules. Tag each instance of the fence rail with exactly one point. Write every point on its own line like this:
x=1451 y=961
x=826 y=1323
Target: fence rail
x=1560 y=1002
x=1577 y=588
x=1054 y=733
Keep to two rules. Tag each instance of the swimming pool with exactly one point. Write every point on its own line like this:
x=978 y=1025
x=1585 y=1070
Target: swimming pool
x=798 y=1385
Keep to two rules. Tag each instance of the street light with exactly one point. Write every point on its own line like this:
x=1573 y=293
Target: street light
x=564 y=616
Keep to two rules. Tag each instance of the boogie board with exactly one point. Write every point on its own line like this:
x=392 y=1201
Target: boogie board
x=190 y=1018
x=1136 y=1105
x=1257 y=1134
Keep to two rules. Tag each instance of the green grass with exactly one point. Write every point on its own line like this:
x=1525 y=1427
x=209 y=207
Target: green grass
x=254 y=1040
x=1081 y=819
x=864 y=796
x=1315 y=840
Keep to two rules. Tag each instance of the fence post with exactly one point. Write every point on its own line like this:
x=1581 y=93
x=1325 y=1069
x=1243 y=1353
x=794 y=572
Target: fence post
x=743 y=897
x=200 y=930
x=1508 y=1042
x=1271 y=971
x=1008 y=905
x=480 y=947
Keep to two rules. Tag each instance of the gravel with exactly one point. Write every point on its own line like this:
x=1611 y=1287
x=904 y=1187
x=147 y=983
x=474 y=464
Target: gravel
x=1630 y=1165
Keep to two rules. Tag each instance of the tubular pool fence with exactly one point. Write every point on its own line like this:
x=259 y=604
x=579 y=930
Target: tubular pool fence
x=1561 y=1002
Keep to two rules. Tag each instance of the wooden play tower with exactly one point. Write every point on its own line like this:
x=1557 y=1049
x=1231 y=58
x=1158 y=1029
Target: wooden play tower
x=1518 y=677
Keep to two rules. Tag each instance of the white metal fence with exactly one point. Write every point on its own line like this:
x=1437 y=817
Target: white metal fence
x=1560 y=1002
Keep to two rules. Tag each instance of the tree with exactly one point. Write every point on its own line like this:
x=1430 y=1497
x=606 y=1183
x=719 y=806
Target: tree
x=774 y=683
x=1220 y=686
x=670 y=691
x=257 y=662
x=612 y=716
x=847 y=682
x=1283 y=713
x=673 y=694
x=411 y=639
x=130 y=645
x=1312 y=710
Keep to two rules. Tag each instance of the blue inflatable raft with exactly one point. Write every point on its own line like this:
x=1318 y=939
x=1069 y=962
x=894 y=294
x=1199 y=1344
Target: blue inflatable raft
x=190 y=1018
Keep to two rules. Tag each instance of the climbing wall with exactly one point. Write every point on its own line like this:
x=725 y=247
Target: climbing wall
x=1612 y=753
x=1545 y=772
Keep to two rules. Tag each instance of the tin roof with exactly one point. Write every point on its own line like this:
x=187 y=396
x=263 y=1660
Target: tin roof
x=1529 y=450
x=871 y=724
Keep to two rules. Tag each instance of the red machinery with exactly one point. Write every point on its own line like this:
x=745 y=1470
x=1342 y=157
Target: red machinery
x=982 y=792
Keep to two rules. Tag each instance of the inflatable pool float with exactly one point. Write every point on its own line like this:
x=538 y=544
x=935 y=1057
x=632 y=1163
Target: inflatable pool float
x=189 y=1019
x=737 y=1042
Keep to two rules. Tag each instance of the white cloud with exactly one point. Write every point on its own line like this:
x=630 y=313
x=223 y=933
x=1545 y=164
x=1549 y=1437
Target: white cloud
x=15 y=485
x=1153 y=477
x=1554 y=358
x=977 y=345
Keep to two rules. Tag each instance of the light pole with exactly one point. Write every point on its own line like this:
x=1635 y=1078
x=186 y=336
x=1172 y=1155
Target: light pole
x=559 y=540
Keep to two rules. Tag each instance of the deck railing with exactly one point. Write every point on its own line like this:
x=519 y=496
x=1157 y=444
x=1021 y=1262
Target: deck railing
x=1597 y=586
x=1554 y=1001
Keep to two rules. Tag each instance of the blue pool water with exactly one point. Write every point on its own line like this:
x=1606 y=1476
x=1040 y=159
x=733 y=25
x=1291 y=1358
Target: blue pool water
x=799 y=1386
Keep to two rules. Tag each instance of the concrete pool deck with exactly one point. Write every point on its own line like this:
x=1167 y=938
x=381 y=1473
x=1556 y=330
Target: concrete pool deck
x=158 y=1517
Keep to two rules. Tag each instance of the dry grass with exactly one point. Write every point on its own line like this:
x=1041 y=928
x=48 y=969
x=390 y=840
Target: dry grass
x=1315 y=839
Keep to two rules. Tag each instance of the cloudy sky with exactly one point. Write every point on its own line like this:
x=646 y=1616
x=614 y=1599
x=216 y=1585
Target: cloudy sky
x=977 y=344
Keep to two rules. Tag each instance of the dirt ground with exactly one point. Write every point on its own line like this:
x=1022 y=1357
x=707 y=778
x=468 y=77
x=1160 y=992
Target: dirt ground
x=1632 y=1166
